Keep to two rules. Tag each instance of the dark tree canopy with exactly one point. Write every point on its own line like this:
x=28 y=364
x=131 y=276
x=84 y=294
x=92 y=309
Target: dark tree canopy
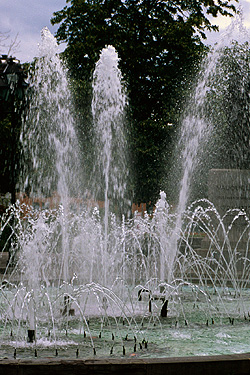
x=159 y=43
x=229 y=108
x=11 y=106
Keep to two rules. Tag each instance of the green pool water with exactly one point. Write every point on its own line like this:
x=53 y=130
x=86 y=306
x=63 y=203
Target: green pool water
x=161 y=339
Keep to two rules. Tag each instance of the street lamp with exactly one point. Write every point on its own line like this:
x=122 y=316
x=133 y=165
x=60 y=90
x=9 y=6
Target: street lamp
x=12 y=89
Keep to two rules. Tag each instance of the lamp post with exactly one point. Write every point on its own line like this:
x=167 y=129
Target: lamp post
x=12 y=88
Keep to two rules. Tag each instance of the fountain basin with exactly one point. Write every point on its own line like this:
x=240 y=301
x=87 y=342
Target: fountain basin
x=62 y=261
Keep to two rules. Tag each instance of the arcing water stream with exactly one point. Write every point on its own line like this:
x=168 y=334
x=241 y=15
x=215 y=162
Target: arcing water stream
x=116 y=286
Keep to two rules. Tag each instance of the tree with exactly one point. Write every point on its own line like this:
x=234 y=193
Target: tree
x=12 y=88
x=228 y=105
x=158 y=42
x=10 y=45
x=225 y=109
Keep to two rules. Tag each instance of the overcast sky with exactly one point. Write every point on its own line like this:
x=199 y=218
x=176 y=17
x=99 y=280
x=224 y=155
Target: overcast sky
x=26 y=18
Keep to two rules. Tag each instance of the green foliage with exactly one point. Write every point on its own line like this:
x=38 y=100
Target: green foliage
x=5 y=152
x=9 y=151
x=236 y=107
x=228 y=106
x=159 y=44
x=11 y=107
x=150 y=141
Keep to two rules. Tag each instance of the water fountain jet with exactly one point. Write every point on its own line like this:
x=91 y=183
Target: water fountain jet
x=200 y=287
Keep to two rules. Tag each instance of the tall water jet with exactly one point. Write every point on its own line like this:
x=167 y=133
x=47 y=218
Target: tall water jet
x=50 y=149
x=49 y=140
x=195 y=131
x=196 y=127
x=162 y=225
x=108 y=107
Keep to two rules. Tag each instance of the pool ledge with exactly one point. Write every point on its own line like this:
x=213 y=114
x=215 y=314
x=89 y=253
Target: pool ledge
x=235 y=364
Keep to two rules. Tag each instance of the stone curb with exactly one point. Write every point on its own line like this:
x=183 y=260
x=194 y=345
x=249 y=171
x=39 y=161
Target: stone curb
x=236 y=364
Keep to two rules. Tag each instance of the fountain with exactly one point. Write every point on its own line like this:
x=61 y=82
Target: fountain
x=83 y=284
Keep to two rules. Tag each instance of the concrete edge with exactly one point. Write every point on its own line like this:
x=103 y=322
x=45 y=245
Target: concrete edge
x=235 y=364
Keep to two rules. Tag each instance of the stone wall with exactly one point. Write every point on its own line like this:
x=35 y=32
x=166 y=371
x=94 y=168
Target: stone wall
x=229 y=188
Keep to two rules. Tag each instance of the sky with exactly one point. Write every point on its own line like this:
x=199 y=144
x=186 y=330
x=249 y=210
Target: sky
x=23 y=20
